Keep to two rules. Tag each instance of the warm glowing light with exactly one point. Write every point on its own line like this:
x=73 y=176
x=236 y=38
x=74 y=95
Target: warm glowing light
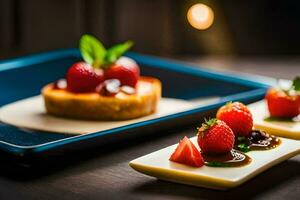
x=200 y=16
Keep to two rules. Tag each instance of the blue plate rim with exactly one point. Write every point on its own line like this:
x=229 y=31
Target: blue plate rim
x=259 y=89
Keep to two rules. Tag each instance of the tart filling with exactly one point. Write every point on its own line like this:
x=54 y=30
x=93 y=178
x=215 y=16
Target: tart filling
x=95 y=106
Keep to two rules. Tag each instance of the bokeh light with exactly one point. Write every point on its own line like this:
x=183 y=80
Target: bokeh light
x=200 y=16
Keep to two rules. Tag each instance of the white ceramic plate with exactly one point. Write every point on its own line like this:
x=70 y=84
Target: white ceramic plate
x=259 y=111
x=30 y=113
x=157 y=164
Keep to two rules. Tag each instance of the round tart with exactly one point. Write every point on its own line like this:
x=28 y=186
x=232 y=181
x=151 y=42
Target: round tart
x=95 y=106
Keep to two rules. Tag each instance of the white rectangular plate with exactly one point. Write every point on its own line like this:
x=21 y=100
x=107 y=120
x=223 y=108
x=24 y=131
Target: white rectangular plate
x=157 y=164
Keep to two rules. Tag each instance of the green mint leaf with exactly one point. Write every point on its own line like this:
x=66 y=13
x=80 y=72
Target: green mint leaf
x=243 y=147
x=117 y=51
x=92 y=50
x=296 y=83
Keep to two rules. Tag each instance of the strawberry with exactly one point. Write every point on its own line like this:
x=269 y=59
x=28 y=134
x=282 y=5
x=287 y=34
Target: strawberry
x=282 y=104
x=238 y=117
x=125 y=70
x=115 y=67
x=81 y=77
x=215 y=137
x=186 y=153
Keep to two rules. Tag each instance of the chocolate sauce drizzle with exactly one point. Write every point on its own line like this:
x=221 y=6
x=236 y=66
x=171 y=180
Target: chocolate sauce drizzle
x=234 y=158
x=257 y=141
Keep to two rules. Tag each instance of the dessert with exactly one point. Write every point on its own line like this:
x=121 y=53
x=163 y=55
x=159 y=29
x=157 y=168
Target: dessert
x=216 y=141
x=284 y=104
x=105 y=86
x=224 y=143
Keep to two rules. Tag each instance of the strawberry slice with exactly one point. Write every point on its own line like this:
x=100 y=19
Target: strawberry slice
x=186 y=153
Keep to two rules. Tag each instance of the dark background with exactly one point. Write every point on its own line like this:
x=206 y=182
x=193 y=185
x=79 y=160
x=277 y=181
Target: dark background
x=241 y=28
x=257 y=37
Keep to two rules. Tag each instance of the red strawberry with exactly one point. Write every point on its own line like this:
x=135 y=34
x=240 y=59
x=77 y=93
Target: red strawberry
x=186 y=153
x=81 y=77
x=125 y=70
x=282 y=104
x=237 y=116
x=215 y=137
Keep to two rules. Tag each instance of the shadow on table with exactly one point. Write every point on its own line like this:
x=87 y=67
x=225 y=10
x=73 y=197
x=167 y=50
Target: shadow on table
x=275 y=177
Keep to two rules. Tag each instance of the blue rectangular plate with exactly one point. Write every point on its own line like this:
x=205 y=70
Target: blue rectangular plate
x=24 y=77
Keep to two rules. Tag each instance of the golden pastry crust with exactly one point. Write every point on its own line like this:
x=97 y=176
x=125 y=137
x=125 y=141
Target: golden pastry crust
x=93 y=106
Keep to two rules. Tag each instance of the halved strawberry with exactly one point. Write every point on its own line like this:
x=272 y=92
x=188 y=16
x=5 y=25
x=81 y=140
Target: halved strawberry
x=186 y=153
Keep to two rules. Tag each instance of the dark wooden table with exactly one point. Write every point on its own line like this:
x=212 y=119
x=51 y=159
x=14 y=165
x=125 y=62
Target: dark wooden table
x=103 y=172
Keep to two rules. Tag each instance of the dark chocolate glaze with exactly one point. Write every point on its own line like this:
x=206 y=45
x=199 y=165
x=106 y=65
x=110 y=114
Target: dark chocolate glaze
x=259 y=141
x=234 y=158
x=269 y=143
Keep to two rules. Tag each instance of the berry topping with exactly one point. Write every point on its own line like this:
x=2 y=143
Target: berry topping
x=81 y=77
x=126 y=70
x=60 y=84
x=86 y=76
x=112 y=85
x=238 y=117
x=186 y=153
x=257 y=140
x=215 y=137
x=257 y=135
x=284 y=103
x=109 y=87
